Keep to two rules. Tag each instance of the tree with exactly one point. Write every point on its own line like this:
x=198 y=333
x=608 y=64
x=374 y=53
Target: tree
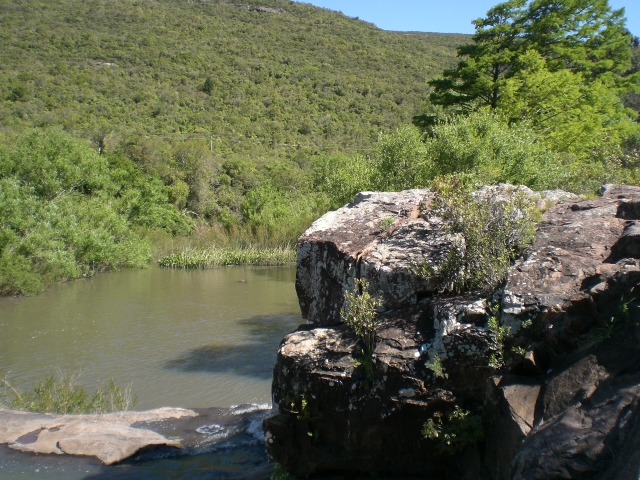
x=570 y=113
x=582 y=36
x=487 y=61
x=207 y=87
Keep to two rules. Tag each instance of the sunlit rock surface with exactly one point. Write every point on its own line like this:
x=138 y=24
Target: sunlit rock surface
x=565 y=407
x=110 y=437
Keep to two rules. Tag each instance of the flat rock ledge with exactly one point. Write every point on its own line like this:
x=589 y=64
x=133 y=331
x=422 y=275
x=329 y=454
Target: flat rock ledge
x=110 y=437
x=566 y=406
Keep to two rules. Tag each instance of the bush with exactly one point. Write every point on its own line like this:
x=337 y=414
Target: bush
x=455 y=431
x=487 y=234
x=359 y=313
x=485 y=145
x=68 y=212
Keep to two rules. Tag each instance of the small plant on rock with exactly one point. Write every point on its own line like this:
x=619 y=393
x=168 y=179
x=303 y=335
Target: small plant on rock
x=359 y=312
x=454 y=431
x=386 y=224
x=498 y=334
x=435 y=365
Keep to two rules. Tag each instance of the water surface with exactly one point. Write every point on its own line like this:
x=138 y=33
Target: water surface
x=184 y=338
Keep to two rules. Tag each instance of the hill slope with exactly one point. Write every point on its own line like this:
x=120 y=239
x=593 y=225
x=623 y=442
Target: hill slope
x=283 y=75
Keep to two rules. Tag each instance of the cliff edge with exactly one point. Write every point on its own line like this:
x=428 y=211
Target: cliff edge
x=562 y=403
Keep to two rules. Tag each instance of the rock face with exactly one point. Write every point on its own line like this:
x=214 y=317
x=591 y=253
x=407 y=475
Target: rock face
x=563 y=406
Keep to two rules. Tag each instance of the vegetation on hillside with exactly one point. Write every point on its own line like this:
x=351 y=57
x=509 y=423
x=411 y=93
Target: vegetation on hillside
x=241 y=125
x=284 y=83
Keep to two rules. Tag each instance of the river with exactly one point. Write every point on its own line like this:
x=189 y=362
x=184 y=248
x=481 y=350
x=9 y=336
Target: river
x=183 y=338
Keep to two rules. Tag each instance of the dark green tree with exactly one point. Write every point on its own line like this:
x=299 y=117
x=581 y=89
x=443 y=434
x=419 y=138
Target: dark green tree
x=486 y=61
x=208 y=86
x=582 y=36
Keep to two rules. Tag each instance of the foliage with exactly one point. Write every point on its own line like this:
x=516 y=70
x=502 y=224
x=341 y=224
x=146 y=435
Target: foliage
x=359 y=312
x=559 y=66
x=583 y=36
x=340 y=177
x=300 y=408
x=570 y=113
x=400 y=160
x=497 y=334
x=485 y=145
x=61 y=394
x=279 y=473
x=168 y=71
x=212 y=257
x=435 y=365
x=455 y=431
x=487 y=233
x=67 y=212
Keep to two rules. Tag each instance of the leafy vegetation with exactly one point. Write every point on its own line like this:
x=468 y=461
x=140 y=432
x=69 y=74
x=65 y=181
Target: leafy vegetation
x=61 y=394
x=435 y=365
x=560 y=66
x=67 y=212
x=359 y=312
x=486 y=234
x=454 y=431
x=497 y=335
x=203 y=117
x=148 y=74
x=212 y=257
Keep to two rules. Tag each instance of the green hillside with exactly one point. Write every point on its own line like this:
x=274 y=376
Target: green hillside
x=280 y=76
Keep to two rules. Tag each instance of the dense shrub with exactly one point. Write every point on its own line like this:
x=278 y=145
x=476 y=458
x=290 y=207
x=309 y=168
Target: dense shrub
x=67 y=212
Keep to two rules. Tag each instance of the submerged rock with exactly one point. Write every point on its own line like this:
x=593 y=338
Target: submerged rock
x=565 y=405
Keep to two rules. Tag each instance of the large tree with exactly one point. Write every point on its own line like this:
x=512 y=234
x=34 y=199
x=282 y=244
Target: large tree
x=585 y=37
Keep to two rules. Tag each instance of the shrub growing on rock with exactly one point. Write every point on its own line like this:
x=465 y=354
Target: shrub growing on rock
x=359 y=314
x=488 y=231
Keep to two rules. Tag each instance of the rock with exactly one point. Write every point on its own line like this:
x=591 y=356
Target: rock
x=581 y=261
x=110 y=437
x=589 y=415
x=351 y=243
x=567 y=408
x=510 y=416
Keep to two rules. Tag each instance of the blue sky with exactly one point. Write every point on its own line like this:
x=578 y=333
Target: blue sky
x=449 y=16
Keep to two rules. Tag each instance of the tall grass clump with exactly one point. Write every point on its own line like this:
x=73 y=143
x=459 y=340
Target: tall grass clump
x=216 y=256
x=61 y=394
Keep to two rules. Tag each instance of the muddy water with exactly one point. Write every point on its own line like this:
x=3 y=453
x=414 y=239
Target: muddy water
x=204 y=338
x=196 y=339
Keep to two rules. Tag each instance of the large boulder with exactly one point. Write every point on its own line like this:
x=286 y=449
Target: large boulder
x=564 y=406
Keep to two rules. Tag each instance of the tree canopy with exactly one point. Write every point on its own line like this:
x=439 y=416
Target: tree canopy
x=585 y=37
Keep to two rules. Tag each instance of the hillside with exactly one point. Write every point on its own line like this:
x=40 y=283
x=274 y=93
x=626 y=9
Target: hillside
x=265 y=77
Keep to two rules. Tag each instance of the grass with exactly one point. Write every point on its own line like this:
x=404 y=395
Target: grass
x=221 y=256
x=61 y=394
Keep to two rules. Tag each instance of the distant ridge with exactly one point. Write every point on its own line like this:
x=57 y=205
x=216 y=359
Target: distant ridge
x=283 y=76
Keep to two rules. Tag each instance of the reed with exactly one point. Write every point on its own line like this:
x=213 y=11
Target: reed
x=217 y=256
x=61 y=393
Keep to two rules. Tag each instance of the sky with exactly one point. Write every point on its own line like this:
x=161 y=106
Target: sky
x=446 y=16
